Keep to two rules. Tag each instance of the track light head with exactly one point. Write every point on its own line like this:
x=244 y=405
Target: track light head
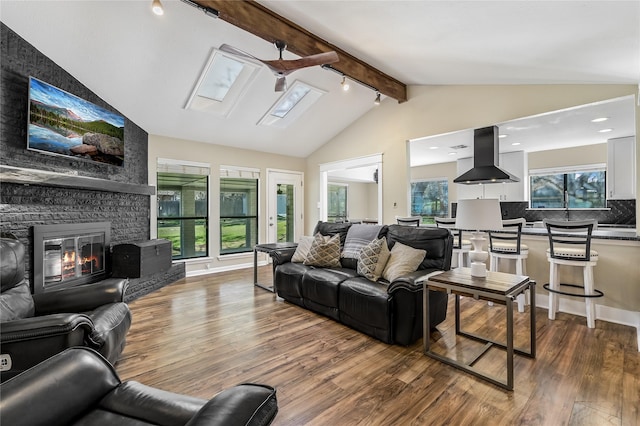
x=156 y=7
x=345 y=84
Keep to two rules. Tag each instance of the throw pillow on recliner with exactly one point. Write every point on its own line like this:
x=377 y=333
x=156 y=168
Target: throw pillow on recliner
x=302 y=250
x=16 y=303
x=324 y=253
x=402 y=260
x=373 y=258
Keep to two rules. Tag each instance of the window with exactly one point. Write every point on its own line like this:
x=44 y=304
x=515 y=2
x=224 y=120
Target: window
x=238 y=210
x=430 y=198
x=568 y=188
x=183 y=216
x=337 y=202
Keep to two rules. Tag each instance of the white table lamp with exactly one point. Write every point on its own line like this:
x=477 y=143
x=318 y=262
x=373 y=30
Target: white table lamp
x=482 y=214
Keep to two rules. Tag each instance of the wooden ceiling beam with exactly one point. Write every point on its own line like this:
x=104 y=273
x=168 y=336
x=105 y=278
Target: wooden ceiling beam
x=266 y=24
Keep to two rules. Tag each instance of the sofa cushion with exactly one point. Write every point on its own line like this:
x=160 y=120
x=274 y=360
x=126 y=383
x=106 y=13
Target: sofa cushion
x=402 y=260
x=357 y=238
x=302 y=250
x=436 y=241
x=288 y=280
x=366 y=306
x=329 y=228
x=324 y=253
x=319 y=289
x=373 y=258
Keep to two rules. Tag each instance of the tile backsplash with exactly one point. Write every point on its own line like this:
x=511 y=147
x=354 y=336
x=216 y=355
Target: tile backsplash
x=619 y=212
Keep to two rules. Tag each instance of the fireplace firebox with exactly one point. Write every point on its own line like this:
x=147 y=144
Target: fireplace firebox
x=67 y=255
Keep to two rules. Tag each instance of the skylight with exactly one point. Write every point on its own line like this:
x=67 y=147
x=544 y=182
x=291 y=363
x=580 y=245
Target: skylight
x=291 y=105
x=222 y=82
x=219 y=78
x=290 y=100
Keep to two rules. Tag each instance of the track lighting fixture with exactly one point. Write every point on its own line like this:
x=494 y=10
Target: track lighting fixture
x=345 y=84
x=156 y=7
x=207 y=10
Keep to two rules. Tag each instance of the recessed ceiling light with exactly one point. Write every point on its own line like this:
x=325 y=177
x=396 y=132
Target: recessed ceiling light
x=502 y=136
x=452 y=153
x=433 y=147
x=605 y=130
x=515 y=143
x=599 y=119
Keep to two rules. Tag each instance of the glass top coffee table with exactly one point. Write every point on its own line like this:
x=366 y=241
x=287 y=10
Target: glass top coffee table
x=497 y=287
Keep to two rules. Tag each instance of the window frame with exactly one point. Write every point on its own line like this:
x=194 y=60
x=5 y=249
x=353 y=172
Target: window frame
x=426 y=219
x=346 y=201
x=187 y=168
x=565 y=171
x=244 y=173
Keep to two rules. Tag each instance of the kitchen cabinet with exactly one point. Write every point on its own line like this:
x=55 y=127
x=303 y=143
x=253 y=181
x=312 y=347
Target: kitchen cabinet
x=513 y=162
x=621 y=168
x=516 y=164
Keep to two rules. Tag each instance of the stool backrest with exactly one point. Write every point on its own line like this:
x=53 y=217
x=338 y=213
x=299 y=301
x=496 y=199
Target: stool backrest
x=510 y=233
x=574 y=234
x=409 y=221
x=450 y=224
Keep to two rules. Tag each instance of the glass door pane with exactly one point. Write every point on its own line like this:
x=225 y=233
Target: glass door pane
x=285 y=214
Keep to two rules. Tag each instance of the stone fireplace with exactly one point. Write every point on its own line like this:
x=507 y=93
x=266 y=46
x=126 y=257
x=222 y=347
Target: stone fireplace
x=67 y=255
x=39 y=191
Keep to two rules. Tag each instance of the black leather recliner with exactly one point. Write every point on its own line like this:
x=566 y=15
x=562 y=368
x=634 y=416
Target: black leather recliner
x=35 y=327
x=79 y=387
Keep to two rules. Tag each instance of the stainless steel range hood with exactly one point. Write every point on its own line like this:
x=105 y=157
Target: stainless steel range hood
x=485 y=160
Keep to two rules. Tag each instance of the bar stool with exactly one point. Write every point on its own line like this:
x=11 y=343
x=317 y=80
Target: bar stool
x=507 y=244
x=409 y=221
x=570 y=245
x=460 y=245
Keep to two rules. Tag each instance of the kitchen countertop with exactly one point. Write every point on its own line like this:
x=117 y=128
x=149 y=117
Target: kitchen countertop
x=605 y=233
x=601 y=233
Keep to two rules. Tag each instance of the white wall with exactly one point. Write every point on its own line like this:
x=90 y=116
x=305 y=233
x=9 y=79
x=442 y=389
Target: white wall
x=433 y=110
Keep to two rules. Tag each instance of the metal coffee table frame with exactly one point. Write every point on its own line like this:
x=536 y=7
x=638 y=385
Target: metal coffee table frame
x=269 y=249
x=497 y=287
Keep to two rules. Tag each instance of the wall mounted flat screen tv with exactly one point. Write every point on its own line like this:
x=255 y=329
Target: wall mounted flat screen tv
x=63 y=124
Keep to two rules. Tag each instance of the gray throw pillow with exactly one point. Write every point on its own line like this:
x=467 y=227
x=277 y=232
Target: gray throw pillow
x=373 y=258
x=16 y=303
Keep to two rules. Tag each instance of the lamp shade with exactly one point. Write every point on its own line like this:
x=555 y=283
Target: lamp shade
x=482 y=214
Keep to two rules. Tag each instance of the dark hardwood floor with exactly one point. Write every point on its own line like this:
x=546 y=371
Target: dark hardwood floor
x=203 y=334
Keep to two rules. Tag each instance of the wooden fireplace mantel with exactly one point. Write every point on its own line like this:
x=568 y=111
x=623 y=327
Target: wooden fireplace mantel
x=25 y=176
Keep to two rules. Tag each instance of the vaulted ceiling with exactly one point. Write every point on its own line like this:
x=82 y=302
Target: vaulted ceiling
x=147 y=66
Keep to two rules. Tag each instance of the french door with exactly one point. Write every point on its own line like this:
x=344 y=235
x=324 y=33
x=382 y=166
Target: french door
x=285 y=218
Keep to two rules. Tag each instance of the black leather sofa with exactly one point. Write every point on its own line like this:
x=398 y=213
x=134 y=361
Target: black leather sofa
x=390 y=312
x=35 y=327
x=79 y=387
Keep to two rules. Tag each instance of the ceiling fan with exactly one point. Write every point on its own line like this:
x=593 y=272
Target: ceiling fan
x=283 y=67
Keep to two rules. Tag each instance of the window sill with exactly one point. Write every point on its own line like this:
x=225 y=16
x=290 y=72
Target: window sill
x=235 y=255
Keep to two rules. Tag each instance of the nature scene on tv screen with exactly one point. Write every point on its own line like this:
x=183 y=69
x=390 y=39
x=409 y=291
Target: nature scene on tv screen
x=61 y=123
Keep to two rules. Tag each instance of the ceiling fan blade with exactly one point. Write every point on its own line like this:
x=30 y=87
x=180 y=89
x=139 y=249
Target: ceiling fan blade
x=289 y=65
x=234 y=51
x=281 y=83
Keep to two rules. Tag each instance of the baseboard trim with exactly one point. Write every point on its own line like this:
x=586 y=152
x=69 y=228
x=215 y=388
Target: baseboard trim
x=605 y=313
x=226 y=268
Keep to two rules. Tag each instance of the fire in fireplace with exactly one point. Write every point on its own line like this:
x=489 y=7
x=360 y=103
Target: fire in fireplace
x=69 y=254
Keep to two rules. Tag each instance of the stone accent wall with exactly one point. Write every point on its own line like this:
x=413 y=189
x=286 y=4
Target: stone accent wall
x=26 y=205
